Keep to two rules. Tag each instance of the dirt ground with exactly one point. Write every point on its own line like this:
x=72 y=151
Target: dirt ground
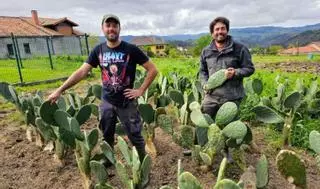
x=24 y=165
x=304 y=67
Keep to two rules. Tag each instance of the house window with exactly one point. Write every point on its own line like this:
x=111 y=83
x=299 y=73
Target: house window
x=159 y=47
x=10 y=49
x=26 y=48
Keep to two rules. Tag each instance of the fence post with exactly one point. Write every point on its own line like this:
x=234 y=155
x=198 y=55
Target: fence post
x=87 y=44
x=18 y=50
x=17 y=59
x=47 y=40
x=53 y=52
x=81 y=50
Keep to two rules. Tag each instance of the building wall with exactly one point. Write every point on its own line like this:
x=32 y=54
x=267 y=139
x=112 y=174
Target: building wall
x=38 y=46
x=158 y=49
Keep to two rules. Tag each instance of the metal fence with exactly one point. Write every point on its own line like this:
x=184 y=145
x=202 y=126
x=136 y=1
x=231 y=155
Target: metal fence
x=30 y=59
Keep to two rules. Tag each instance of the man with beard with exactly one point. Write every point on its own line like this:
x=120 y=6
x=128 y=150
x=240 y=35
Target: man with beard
x=224 y=53
x=117 y=61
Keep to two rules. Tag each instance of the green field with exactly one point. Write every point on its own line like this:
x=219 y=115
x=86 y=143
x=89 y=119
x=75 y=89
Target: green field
x=39 y=69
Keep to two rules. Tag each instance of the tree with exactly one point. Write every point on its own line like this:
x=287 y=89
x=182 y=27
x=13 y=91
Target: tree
x=200 y=43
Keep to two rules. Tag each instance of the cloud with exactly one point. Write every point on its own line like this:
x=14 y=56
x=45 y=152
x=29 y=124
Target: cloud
x=163 y=17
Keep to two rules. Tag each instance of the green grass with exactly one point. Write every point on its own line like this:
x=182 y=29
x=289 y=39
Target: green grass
x=38 y=69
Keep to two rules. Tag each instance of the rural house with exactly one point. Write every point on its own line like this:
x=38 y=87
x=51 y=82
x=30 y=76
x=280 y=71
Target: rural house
x=155 y=44
x=311 y=48
x=34 y=34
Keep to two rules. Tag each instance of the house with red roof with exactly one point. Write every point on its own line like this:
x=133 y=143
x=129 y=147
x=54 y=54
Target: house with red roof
x=155 y=44
x=311 y=48
x=34 y=34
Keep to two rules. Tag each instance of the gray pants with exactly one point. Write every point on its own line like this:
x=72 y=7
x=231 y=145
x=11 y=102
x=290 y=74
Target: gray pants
x=130 y=119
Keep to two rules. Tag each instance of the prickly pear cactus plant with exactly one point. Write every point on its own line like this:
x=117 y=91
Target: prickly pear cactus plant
x=226 y=183
x=292 y=168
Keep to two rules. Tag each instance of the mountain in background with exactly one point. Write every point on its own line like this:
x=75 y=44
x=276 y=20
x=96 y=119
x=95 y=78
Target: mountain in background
x=259 y=36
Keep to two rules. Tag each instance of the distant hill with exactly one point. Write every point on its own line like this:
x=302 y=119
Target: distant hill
x=262 y=36
x=303 y=38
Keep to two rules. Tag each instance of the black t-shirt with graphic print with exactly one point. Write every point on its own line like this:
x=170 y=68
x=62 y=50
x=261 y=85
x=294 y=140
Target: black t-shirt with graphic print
x=118 y=68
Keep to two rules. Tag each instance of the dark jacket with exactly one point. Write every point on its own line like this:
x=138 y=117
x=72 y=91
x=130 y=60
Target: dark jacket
x=233 y=55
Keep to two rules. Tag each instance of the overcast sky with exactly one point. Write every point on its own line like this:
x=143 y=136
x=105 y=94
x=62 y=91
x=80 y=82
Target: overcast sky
x=165 y=17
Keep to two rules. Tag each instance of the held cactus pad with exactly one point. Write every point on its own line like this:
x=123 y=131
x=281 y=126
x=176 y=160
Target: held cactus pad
x=216 y=80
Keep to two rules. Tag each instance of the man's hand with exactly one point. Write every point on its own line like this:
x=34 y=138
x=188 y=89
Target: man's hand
x=230 y=72
x=54 y=96
x=133 y=93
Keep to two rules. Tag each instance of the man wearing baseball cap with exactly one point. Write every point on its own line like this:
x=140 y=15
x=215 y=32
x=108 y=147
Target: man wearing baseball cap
x=117 y=61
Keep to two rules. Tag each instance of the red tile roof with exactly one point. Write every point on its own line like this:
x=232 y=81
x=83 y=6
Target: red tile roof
x=147 y=40
x=24 y=26
x=305 y=49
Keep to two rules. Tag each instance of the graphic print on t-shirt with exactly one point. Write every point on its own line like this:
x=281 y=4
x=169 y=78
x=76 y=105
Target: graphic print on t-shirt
x=113 y=67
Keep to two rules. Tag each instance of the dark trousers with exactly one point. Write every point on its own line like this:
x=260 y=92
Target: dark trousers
x=130 y=119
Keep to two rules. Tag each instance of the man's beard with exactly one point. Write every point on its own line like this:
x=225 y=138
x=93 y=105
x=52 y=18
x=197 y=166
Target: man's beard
x=222 y=39
x=112 y=39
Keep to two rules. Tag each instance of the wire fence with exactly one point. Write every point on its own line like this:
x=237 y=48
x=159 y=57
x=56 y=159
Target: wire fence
x=25 y=60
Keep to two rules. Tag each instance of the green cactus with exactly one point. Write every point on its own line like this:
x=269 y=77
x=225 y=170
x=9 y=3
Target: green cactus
x=75 y=128
x=123 y=146
x=4 y=91
x=226 y=184
x=108 y=152
x=92 y=139
x=257 y=86
x=45 y=130
x=216 y=80
x=83 y=114
x=292 y=168
x=97 y=91
x=187 y=136
x=314 y=140
x=135 y=166
x=248 y=137
x=166 y=123
x=262 y=172
x=145 y=171
x=166 y=187
x=196 y=153
x=122 y=173
x=61 y=102
x=292 y=101
x=147 y=113
x=193 y=106
x=47 y=111
x=71 y=111
x=198 y=118
x=267 y=115
x=216 y=141
x=226 y=113
x=187 y=181
x=235 y=130
x=206 y=159
x=99 y=170
x=222 y=169
x=177 y=97
x=103 y=186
